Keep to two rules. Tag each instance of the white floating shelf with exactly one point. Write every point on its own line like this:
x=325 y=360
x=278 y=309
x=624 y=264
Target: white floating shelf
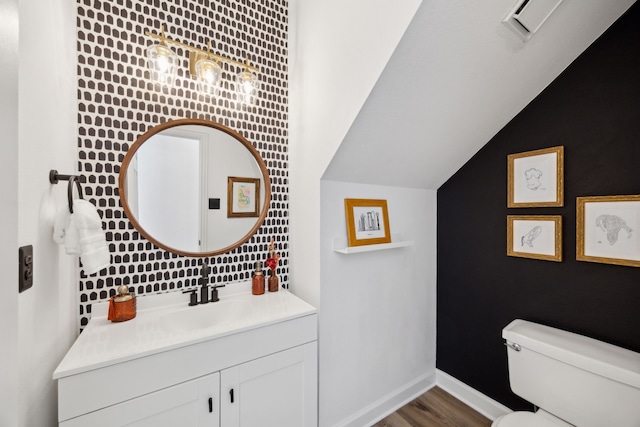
x=340 y=245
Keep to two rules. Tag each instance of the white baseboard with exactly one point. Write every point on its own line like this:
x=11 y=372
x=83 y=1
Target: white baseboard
x=472 y=397
x=390 y=403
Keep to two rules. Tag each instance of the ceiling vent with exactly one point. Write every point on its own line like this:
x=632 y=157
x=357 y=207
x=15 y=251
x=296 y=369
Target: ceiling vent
x=528 y=15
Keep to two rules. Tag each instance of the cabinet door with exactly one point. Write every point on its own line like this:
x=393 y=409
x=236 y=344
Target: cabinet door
x=277 y=390
x=194 y=403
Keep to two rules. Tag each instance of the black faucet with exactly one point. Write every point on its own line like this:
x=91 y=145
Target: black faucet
x=204 y=289
x=214 y=292
x=193 y=298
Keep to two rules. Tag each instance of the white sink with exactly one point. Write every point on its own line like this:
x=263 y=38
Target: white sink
x=221 y=314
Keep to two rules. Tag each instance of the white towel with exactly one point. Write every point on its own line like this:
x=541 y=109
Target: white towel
x=81 y=234
x=65 y=232
x=60 y=225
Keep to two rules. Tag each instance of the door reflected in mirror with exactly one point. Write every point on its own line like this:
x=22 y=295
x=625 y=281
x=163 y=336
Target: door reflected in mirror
x=176 y=187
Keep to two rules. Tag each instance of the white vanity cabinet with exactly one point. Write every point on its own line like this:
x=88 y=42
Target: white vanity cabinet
x=194 y=403
x=271 y=391
x=258 y=371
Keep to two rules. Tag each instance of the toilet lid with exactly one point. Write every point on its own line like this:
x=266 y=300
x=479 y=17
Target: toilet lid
x=523 y=419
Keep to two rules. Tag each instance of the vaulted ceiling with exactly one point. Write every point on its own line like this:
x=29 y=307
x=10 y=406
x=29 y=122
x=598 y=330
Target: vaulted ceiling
x=456 y=77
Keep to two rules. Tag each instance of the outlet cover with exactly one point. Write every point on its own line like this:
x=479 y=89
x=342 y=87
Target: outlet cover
x=25 y=267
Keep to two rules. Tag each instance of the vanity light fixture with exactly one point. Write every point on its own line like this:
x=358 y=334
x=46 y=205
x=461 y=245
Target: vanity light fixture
x=162 y=62
x=247 y=85
x=209 y=75
x=203 y=66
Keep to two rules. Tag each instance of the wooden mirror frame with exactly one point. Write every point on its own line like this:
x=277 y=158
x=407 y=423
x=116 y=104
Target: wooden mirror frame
x=181 y=122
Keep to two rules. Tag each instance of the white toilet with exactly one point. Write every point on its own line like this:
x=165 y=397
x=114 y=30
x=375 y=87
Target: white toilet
x=574 y=380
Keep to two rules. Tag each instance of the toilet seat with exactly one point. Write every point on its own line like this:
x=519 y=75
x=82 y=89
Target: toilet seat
x=528 y=419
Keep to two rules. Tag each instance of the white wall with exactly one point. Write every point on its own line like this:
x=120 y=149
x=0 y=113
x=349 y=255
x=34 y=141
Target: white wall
x=377 y=331
x=8 y=211
x=337 y=50
x=169 y=194
x=47 y=140
x=227 y=157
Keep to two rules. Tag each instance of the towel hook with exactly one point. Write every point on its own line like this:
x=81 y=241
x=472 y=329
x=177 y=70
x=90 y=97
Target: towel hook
x=54 y=177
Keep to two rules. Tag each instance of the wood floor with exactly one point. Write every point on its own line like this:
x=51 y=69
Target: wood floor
x=435 y=408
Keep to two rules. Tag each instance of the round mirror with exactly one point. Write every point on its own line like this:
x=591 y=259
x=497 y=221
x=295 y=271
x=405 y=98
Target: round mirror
x=194 y=187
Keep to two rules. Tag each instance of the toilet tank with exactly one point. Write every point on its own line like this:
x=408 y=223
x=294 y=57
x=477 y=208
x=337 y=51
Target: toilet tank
x=583 y=381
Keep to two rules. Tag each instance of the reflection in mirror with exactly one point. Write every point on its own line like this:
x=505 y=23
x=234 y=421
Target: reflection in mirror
x=174 y=187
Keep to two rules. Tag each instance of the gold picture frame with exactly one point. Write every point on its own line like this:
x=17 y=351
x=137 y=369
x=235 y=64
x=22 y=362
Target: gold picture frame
x=536 y=178
x=243 y=197
x=367 y=222
x=535 y=236
x=607 y=229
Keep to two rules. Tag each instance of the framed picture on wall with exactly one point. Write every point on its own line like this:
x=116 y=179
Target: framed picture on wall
x=243 y=197
x=536 y=178
x=535 y=236
x=367 y=222
x=607 y=229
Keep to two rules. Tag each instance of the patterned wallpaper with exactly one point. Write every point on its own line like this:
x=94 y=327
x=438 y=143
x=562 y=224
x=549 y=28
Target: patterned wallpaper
x=117 y=103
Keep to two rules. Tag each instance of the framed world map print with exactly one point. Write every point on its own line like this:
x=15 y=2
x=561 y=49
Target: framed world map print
x=607 y=229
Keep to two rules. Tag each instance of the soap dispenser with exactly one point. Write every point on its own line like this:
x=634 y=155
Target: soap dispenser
x=122 y=307
x=257 y=283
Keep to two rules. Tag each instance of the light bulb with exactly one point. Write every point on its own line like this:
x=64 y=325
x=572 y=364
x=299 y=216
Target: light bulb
x=208 y=76
x=162 y=63
x=247 y=89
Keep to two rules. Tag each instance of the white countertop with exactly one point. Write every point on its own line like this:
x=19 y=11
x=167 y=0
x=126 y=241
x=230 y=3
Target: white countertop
x=104 y=343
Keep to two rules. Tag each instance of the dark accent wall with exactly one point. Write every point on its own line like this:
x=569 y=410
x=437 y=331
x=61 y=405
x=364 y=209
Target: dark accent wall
x=593 y=110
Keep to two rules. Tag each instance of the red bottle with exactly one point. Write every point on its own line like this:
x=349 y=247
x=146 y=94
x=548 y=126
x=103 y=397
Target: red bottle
x=257 y=283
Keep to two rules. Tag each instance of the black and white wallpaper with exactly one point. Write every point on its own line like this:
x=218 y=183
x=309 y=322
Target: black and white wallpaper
x=117 y=103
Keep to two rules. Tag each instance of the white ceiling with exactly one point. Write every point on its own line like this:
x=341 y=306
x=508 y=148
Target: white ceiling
x=456 y=78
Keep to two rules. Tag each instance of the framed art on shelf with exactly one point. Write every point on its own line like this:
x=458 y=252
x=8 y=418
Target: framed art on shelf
x=243 y=197
x=607 y=229
x=367 y=222
x=535 y=236
x=536 y=178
